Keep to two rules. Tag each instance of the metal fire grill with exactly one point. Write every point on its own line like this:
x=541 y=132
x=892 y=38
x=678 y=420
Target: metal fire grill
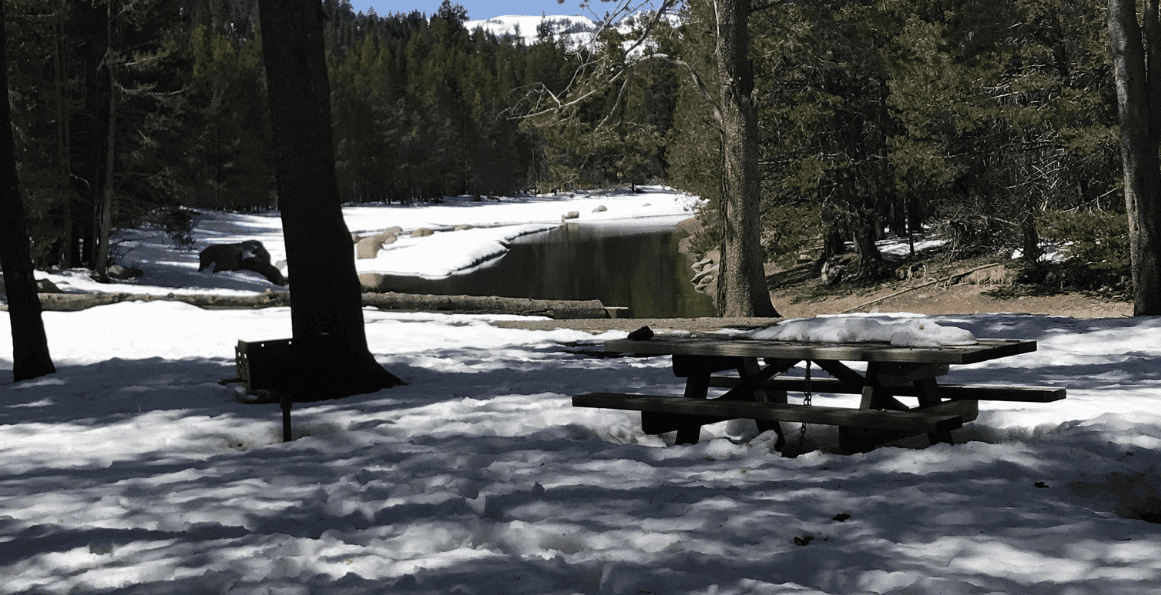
x=264 y=366
x=271 y=369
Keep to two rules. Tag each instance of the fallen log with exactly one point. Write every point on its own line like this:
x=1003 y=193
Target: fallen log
x=455 y=304
x=468 y=304
x=74 y=302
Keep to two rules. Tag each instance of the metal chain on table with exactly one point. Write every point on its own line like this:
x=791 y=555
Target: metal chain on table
x=806 y=402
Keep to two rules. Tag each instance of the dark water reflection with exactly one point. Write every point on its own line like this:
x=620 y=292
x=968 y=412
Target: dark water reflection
x=640 y=269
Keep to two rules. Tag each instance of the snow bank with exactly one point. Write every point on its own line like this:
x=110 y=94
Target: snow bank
x=922 y=332
x=444 y=254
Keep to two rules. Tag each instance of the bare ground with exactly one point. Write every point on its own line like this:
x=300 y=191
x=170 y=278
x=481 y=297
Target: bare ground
x=987 y=291
x=798 y=293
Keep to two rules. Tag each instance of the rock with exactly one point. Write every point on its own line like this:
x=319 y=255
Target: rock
x=374 y=282
x=463 y=227
x=600 y=209
x=249 y=255
x=394 y=230
x=46 y=286
x=570 y=215
x=642 y=334
x=422 y=232
x=369 y=246
x=832 y=272
x=117 y=271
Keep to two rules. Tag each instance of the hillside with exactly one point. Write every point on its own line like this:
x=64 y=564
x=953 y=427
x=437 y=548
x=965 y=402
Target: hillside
x=575 y=30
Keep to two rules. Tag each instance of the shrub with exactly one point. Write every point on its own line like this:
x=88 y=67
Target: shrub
x=1097 y=239
x=1095 y=246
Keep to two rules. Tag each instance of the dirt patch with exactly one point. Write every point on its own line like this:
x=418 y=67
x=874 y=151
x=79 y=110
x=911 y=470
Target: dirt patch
x=969 y=289
x=959 y=298
x=798 y=293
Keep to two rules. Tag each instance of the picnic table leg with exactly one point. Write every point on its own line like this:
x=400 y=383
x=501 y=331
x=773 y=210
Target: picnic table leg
x=749 y=367
x=696 y=387
x=286 y=401
x=875 y=396
x=928 y=390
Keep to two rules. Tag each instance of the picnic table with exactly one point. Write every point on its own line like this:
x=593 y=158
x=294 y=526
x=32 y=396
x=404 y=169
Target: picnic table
x=759 y=391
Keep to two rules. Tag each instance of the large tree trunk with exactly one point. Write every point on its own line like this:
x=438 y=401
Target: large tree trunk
x=742 y=287
x=1138 y=77
x=30 y=357
x=325 y=295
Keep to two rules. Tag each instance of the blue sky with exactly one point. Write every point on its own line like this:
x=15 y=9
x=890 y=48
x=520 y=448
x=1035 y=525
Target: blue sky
x=479 y=9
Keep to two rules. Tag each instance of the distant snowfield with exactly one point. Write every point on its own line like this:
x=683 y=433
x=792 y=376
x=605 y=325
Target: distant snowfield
x=131 y=471
x=575 y=30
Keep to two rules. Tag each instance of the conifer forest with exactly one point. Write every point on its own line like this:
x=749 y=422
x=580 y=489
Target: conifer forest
x=993 y=118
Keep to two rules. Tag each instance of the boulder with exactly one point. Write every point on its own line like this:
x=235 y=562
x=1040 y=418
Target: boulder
x=463 y=227
x=375 y=282
x=832 y=272
x=249 y=255
x=600 y=209
x=570 y=215
x=369 y=246
x=122 y=273
x=422 y=232
x=46 y=286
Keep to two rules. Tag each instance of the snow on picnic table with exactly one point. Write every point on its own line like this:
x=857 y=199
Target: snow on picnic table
x=132 y=471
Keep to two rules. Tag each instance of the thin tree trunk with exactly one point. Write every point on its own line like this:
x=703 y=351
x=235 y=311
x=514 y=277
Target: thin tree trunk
x=1138 y=79
x=30 y=357
x=104 y=209
x=325 y=295
x=742 y=289
x=68 y=254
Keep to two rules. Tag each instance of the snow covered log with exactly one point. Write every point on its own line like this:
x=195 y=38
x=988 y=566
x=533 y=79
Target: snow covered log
x=460 y=304
x=558 y=309
x=74 y=302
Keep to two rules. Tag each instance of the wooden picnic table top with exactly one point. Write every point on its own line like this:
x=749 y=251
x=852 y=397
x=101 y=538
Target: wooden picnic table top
x=982 y=350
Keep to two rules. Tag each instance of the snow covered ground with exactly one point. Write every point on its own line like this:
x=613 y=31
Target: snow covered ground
x=132 y=471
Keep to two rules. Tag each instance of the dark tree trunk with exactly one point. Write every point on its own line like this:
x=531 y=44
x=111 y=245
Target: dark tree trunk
x=1138 y=78
x=742 y=289
x=30 y=357
x=325 y=295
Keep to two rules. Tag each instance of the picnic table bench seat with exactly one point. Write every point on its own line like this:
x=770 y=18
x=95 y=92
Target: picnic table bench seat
x=931 y=420
x=759 y=391
x=955 y=392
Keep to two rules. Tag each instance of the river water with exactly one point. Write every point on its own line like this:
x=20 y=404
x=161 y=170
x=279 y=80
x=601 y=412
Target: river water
x=622 y=265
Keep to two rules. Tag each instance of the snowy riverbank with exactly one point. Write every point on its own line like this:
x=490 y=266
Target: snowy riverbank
x=446 y=252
